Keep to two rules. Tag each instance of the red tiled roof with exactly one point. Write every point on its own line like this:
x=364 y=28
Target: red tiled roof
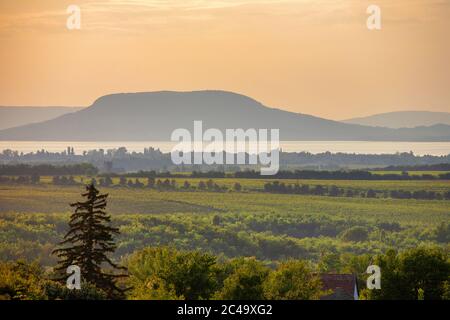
x=341 y=285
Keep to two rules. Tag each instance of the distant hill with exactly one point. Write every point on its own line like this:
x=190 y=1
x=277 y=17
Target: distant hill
x=403 y=119
x=17 y=116
x=153 y=116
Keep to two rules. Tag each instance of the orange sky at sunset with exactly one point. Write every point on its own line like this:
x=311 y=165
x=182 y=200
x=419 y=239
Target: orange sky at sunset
x=314 y=57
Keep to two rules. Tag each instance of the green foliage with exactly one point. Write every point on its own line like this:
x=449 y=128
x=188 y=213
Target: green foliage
x=165 y=273
x=330 y=263
x=416 y=273
x=293 y=280
x=245 y=280
x=21 y=281
x=57 y=291
x=27 y=281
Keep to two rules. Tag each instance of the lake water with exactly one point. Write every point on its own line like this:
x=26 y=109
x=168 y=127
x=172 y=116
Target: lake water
x=362 y=147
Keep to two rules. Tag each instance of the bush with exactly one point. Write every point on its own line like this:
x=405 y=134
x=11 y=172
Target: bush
x=355 y=234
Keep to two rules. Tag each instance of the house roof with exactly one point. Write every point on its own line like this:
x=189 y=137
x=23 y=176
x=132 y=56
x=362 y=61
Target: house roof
x=342 y=286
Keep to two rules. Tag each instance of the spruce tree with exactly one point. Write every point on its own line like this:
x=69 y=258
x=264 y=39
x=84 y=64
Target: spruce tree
x=88 y=242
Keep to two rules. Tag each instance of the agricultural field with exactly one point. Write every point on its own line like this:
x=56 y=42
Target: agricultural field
x=258 y=184
x=269 y=226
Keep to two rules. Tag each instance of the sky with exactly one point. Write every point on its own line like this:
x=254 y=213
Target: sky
x=309 y=56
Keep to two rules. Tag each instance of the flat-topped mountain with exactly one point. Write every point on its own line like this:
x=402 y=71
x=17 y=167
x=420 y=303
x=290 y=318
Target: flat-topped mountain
x=153 y=116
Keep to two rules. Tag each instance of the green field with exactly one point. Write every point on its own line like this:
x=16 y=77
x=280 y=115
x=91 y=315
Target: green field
x=268 y=226
x=55 y=199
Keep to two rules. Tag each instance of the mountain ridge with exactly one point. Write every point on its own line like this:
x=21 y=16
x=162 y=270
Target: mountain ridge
x=402 y=119
x=152 y=116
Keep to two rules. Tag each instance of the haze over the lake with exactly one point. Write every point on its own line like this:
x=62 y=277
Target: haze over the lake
x=313 y=57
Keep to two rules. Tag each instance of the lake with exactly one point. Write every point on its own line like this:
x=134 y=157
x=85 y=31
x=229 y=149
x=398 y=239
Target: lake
x=361 y=147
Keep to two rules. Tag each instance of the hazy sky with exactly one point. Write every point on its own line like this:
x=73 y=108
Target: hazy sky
x=308 y=56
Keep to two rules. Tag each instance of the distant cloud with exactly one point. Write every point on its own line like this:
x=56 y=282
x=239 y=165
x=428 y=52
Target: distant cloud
x=133 y=15
x=127 y=14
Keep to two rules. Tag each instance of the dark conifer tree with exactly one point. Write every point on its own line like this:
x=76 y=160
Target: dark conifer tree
x=88 y=243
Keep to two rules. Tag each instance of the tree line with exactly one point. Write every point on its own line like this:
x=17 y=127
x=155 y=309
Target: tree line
x=425 y=167
x=340 y=175
x=334 y=191
x=290 y=174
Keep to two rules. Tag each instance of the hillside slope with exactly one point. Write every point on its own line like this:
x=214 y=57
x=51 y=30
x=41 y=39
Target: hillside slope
x=17 y=116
